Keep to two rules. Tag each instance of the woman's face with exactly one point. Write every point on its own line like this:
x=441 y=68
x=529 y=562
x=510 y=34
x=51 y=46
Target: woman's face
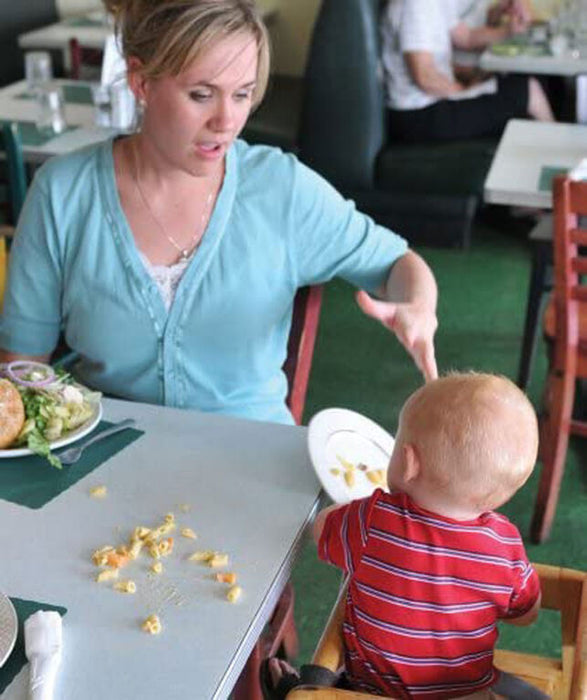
x=192 y=118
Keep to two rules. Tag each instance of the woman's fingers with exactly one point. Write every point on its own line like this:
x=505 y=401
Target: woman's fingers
x=413 y=326
x=383 y=311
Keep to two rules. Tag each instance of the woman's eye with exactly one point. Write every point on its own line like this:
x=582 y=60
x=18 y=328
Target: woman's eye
x=200 y=96
x=246 y=95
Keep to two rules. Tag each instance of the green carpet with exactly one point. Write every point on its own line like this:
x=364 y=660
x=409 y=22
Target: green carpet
x=358 y=365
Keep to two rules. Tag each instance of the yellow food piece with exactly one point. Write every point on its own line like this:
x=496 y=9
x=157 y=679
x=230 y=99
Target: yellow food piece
x=141 y=532
x=335 y=472
x=135 y=548
x=349 y=466
x=376 y=476
x=100 y=556
x=184 y=507
x=349 y=477
x=157 y=567
x=234 y=594
x=189 y=533
x=154 y=551
x=165 y=547
x=107 y=575
x=126 y=586
x=98 y=492
x=218 y=560
x=226 y=578
x=202 y=555
x=152 y=624
x=169 y=518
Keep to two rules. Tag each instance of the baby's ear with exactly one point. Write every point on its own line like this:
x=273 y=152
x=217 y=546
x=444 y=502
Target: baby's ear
x=411 y=463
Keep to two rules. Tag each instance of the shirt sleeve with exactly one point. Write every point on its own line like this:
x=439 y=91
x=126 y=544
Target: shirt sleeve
x=344 y=535
x=330 y=238
x=525 y=591
x=31 y=317
x=420 y=24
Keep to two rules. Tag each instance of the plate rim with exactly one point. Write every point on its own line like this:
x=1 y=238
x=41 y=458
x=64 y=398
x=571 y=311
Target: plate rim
x=316 y=423
x=73 y=436
x=10 y=647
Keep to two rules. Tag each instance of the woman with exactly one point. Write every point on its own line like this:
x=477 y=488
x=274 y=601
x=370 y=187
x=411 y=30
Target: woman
x=171 y=257
x=428 y=100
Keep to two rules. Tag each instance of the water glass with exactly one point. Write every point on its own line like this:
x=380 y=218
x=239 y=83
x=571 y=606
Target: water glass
x=102 y=105
x=38 y=69
x=50 y=109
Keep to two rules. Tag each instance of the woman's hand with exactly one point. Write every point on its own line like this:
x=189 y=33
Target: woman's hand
x=414 y=324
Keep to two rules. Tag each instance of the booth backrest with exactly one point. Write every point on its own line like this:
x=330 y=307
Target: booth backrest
x=342 y=123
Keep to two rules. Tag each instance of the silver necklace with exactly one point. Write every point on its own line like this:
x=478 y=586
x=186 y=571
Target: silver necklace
x=184 y=252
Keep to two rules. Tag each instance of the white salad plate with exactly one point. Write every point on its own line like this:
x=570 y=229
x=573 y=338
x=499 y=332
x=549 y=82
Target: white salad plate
x=8 y=628
x=338 y=437
x=67 y=439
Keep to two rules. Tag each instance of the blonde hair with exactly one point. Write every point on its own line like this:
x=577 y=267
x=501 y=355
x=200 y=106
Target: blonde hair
x=476 y=436
x=168 y=35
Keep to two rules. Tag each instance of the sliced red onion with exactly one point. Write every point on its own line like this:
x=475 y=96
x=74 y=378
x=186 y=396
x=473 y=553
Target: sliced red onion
x=14 y=369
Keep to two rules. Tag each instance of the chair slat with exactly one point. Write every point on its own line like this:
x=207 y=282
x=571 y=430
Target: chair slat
x=578 y=236
x=579 y=293
x=578 y=197
x=579 y=265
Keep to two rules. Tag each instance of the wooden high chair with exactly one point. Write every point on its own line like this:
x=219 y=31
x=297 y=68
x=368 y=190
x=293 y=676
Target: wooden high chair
x=563 y=679
x=565 y=328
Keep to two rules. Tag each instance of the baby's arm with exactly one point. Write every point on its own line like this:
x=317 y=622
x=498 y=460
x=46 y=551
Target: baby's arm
x=321 y=519
x=528 y=617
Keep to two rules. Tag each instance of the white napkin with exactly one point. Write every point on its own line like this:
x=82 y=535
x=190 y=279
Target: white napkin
x=43 y=644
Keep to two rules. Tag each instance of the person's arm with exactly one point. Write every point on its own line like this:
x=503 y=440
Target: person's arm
x=427 y=77
x=527 y=618
x=408 y=308
x=320 y=520
x=467 y=38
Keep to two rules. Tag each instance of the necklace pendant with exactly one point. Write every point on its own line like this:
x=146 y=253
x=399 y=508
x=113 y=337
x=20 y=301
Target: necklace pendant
x=185 y=254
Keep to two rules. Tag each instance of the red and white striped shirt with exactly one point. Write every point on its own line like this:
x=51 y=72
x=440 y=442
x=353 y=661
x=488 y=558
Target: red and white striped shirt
x=425 y=594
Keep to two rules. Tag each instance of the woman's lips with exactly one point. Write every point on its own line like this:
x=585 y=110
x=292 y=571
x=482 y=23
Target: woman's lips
x=210 y=150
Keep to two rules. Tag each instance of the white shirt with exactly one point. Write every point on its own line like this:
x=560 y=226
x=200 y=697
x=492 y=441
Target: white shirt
x=415 y=25
x=420 y=25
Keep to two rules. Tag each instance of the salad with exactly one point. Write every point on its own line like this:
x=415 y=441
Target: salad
x=54 y=405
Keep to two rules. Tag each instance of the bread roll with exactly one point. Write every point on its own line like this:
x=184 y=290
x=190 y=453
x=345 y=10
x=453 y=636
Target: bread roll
x=11 y=413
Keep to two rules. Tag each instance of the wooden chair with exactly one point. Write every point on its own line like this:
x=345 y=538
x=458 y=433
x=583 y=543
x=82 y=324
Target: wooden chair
x=15 y=187
x=565 y=328
x=563 y=679
x=280 y=635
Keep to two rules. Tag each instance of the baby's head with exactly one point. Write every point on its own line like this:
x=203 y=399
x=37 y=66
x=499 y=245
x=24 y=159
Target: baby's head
x=465 y=444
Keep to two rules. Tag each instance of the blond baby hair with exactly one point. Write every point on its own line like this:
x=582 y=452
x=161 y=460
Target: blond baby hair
x=476 y=436
x=168 y=35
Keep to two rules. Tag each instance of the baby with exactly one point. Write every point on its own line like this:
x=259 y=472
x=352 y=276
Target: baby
x=431 y=567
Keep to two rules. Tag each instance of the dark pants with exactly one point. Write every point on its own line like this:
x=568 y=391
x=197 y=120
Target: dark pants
x=452 y=120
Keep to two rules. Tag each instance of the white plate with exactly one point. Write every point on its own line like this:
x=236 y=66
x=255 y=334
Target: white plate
x=335 y=434
x=72 y=436
x=8 y=628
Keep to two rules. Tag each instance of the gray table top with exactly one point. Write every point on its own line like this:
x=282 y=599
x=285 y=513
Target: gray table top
x=251 y=491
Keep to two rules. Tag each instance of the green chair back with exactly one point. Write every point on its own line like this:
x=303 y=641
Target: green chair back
x=11 y=144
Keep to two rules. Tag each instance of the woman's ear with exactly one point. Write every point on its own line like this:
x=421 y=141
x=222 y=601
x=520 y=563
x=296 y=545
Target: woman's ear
x=412 y=465
x=136 y=80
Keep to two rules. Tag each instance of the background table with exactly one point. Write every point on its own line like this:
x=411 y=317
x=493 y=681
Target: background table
x=17 y=105
x=518 y=177
x=525 y=149
x=252 y=493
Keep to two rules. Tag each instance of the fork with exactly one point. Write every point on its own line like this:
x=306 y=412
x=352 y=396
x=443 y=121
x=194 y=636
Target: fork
x=72 y=454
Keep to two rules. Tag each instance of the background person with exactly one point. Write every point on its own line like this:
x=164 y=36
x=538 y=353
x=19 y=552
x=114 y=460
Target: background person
x=426 y=100
x=170 y=258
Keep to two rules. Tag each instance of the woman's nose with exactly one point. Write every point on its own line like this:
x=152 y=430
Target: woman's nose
x=223 y=117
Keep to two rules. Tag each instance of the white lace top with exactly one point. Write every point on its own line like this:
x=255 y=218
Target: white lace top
x=167 y=278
